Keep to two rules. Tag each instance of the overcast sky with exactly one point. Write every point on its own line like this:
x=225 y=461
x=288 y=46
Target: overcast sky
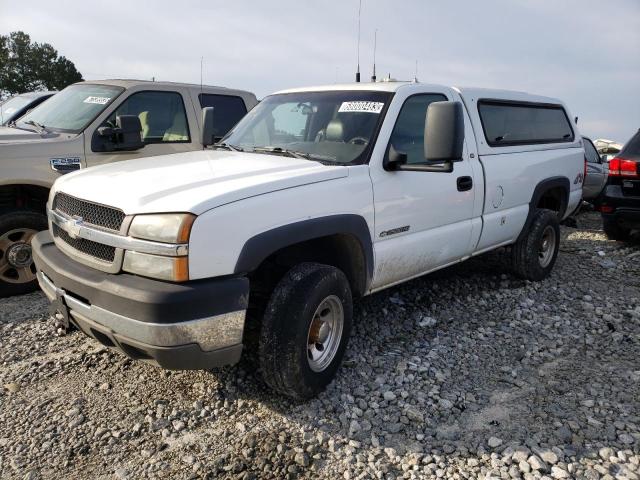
x=586 y=52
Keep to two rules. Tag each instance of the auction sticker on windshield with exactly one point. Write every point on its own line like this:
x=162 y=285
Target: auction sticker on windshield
x=361 y=107
x=97 y=100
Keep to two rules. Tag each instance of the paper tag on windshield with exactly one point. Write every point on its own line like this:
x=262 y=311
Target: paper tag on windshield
x=97 y=100
x=361 y=107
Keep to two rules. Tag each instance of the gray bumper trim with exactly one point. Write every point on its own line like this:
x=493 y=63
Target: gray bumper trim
x=210 y=333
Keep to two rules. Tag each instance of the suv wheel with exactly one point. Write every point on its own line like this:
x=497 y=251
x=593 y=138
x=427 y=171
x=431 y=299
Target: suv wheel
x=305 y=330
x=534 y=255
x=613 y=231
x=17 y=271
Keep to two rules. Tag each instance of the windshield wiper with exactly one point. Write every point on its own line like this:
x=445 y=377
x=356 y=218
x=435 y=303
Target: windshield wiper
x=41 y=128
x=281 y=151
x=296 y=154
x=233 y=148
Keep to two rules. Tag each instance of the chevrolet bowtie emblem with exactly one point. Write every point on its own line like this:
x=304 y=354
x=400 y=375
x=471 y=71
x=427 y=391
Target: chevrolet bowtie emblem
x=73 y=226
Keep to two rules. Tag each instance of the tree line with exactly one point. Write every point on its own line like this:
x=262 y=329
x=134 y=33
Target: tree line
x=27 y=66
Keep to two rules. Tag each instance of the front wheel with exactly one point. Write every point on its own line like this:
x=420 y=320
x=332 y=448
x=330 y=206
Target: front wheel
x=305 y=330
x=534 y=255
x=17 y=271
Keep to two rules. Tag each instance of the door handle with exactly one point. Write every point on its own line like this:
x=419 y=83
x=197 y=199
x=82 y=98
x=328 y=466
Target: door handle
x=464 y=183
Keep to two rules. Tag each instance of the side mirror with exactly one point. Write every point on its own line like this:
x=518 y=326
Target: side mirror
x=125 y=136
x=444 y=132
x=206 y=137
x=129 y=132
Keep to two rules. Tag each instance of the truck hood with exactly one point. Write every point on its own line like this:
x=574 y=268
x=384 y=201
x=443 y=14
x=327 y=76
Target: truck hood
x=192 y=182
x=17 y=135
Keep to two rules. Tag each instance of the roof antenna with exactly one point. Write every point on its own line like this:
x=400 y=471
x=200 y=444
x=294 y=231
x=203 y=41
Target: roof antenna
x=415 y=76
x=375 y=41
x=201 y=62
x=358 y=70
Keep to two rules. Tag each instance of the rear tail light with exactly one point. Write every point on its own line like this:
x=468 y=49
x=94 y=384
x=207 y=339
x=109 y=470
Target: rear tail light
x=606 y=209
x=619 y=167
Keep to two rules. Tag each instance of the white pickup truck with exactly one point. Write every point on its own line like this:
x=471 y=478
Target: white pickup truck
x=91 y=123
x=318 y=196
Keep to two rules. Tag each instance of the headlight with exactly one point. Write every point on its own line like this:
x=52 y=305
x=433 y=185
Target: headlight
x=175 y=269
x=167 y=227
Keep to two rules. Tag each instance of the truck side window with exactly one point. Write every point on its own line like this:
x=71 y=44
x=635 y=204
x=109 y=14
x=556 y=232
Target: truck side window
x=408 y=133
x=162 y=115
x=519 y=123
x=227 y=111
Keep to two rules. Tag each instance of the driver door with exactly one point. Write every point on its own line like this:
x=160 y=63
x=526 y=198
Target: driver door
x=165 y=127
x=423 y=220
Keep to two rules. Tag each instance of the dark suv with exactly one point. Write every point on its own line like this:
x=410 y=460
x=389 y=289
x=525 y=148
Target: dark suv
x=620 y=204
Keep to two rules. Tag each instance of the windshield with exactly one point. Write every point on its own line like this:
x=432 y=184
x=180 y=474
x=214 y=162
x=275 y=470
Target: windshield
x=11 y=106
x=335 y=126
x=72 y=109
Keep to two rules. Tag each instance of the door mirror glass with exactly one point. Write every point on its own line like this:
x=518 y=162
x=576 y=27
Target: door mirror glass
x=444 y=132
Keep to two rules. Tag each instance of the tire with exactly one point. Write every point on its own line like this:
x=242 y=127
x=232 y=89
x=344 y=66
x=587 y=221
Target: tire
x=534 y=255
x=292 y=310
x=613 y=231
x=17 y=272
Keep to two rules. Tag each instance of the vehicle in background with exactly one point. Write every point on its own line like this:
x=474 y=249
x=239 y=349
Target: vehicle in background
x=15 y=107
x=596 y=172
x=318 y=196
x=87 y=124
x=620 y=201
x=607 y=148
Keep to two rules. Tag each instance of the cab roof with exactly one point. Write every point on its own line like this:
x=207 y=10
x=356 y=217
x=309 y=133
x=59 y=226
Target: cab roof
x=395 y=86
x=128 y=83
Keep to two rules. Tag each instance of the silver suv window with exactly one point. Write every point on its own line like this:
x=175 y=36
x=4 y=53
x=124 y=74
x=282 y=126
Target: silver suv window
x=162 y=116
x=72 y=109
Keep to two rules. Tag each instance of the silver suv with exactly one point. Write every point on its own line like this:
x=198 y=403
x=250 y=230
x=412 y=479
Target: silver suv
x=87 y=124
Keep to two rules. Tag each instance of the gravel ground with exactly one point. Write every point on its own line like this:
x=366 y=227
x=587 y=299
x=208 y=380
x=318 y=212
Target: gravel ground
x=467 y=373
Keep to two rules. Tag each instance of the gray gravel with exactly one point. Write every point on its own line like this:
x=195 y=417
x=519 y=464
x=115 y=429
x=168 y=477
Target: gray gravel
x=467 y=373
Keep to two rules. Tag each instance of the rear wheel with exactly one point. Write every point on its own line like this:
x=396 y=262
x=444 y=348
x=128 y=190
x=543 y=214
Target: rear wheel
x=305 y=330
x=613 y=231
x=17 y=271
x=534 y=255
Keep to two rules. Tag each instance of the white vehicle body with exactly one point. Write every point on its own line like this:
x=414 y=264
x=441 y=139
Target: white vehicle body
x=408 y=223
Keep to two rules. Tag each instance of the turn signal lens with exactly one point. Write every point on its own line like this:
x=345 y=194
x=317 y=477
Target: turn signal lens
x=175 y=269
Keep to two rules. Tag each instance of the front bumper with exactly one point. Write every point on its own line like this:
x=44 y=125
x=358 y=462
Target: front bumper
x=194 y=325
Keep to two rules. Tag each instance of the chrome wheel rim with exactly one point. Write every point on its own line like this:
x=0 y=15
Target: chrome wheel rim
x=547 y=246
x=325 y=333
x=16 y=261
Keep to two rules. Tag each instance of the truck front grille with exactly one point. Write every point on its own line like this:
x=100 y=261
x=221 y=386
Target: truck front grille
x=93 y=213
x=88 y=247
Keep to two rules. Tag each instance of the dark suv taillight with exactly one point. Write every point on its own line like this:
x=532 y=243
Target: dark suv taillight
x=619 y=167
